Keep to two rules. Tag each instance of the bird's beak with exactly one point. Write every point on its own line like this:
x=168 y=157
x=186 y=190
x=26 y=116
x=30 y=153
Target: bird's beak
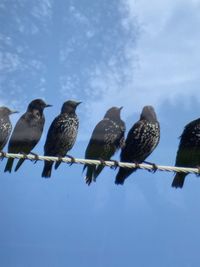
x=120 y=108
x=48 y=105
x=78 y=103
x=14 y=111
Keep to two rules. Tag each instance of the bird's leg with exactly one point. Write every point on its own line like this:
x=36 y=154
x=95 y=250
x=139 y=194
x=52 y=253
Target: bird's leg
x=155 y=167
x=102 y=161
x=60 y=159
x=3 y=155
x=72 y=160
x=116 y=164
x=137 y=166
x=36 y=157
x=24 y=155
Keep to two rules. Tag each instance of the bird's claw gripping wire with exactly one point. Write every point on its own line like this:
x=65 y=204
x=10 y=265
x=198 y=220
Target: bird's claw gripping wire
x=24 y=155
x=116 y=164
x=3 y=155
x=36 y=157
x=60 y=159
x=72 y=160
x=102 y=161
x=154 y=166
x=137 y=165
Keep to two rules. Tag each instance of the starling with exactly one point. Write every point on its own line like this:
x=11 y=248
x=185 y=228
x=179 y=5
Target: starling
x=27 y=132
x=106 y=139
x=5 y=125
x=142 y=139
x=188 y=154
x=61 y=135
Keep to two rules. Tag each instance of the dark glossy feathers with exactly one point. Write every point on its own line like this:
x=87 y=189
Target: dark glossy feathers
x=106 y=139
x=188 y=154
x=61 y=137
x=142 y=139
x=5 y=125
x=27 y=132
x=5 y=130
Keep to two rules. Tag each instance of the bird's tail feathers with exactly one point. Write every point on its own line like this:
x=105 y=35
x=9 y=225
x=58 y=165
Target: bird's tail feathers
x=84 y=167
x=179 y=179
x=89 y=174
x=57 y=164
x=122 y=174
x=47 y=169
x=9 y=165
x=19 y=163
x=97 y=171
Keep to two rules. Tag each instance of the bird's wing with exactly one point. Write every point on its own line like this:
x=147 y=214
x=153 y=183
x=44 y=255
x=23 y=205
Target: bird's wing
x=102 y=142
x=16 y=135
x=24 y=136
x=188 y=153
x=120 y=137
x=60 y=127
x=141 y=141
x=55 y=130
x=5 y=129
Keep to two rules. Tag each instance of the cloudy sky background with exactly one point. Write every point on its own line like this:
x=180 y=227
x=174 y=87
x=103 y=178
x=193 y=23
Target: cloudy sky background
x=103 y=53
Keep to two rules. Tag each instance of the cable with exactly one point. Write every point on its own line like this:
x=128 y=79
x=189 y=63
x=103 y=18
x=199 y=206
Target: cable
x=153 y=167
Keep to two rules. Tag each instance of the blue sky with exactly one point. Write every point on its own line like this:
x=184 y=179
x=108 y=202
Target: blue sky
x=103 y=53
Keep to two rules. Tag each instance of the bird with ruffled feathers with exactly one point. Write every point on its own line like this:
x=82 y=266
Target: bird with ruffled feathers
x=5 y=125
x=141 y=140
x=61 y=135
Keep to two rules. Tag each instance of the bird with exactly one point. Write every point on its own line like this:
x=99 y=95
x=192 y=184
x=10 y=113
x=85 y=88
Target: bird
x=107 y=137
x=188 y=154
x=141 y=140
x=27 y=132
x=5 y=125
x=61 y=135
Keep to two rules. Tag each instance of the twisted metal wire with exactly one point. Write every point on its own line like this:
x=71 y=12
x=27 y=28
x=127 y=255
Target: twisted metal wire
x=71 y=160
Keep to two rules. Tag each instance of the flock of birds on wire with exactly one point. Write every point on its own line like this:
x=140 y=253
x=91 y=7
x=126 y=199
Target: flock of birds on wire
x=107 y=137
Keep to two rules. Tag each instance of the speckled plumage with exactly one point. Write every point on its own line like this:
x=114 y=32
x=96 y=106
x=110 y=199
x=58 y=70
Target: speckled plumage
x=61 y=135
x=5 y=125
x=188 y=154
x=141 y=140
x=106 y=139
x=27 y=132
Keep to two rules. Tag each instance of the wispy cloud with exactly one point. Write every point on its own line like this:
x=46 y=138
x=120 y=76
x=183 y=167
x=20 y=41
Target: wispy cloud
x=162 y=66
x=140 y=54
x=43 y=9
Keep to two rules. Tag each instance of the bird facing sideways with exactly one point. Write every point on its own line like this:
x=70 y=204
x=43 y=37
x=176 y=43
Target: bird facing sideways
x=27 y=132
x=141 y=140
x=5 y=125
x=106 y=139
x=188 y=154
x=61 y=135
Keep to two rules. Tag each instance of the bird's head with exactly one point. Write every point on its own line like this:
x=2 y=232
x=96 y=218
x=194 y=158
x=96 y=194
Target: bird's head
x=69 y=106
x=148 y=113
x=4 y=111
x=37 y=104
x=113 y=113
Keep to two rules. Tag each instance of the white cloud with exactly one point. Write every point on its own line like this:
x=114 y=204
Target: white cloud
x=168 y=53
x=43 y=9
x=9 y=62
